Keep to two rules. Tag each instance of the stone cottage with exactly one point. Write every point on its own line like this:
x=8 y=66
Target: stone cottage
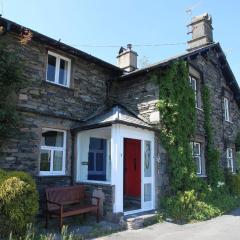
x=88 y=122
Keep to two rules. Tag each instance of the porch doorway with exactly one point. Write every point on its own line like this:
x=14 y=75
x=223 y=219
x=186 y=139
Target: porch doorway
x=132 y=175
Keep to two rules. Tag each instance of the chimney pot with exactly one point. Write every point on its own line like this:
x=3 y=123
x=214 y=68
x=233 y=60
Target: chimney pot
x=129 y=46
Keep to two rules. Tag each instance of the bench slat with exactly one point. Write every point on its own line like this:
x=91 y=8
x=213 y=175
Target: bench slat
x=72 y=200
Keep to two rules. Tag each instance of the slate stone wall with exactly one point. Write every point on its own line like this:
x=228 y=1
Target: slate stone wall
x=224 y=132
x=43 y=104
x=139 y=94
x=87 y=91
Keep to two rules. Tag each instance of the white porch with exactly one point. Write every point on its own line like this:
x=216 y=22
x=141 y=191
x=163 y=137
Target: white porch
x=105 y=165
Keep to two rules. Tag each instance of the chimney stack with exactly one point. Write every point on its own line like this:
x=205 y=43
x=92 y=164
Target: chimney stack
x=127 y=59
x=201 y=30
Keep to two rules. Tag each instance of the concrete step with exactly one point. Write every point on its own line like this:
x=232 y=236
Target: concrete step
x=139 y=220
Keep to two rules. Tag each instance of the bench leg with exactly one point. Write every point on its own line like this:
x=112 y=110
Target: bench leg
x=97 y=215
x=46 y=219
x=61 y=223
x=61 y=218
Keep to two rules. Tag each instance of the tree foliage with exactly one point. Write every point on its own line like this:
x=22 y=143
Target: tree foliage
x=11 y=81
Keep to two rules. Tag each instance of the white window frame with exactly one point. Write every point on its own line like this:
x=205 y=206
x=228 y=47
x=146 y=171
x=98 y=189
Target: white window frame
x=57 y=68
x=193 y=84
x=230 y=159
x=199 y=156
x=51 y=149
x=226 y=109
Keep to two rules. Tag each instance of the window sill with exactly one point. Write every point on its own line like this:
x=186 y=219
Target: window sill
x=201 y=175
x=228 y=121
x=53 y=175
x=46 y=82
x=96 y=182
x=199 y=109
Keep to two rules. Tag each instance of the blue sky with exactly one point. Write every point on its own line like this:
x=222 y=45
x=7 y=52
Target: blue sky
x=117 y=23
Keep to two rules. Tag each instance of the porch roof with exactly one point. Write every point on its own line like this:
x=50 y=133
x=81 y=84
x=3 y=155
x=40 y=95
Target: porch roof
x=113 y=115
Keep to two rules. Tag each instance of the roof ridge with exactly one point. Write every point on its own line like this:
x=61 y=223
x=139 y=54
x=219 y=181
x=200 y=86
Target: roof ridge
x=168 y=60
x=58 y=44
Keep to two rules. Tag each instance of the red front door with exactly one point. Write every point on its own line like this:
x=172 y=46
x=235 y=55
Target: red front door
x=132 y=167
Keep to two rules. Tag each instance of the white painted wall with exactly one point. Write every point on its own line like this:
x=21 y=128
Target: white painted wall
x=115 y=136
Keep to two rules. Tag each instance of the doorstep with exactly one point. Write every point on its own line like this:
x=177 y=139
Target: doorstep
x=139 y=220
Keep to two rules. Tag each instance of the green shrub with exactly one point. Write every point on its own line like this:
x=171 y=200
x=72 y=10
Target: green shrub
x=189 y=206
x=18 y=202
x=3 y=175
x=233 y=182
x=185 y=207
x=179 y=207
x=238 y=161
x=222 y=199
x=214 y=172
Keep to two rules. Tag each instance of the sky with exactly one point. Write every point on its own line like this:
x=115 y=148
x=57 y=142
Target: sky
x=100 y=27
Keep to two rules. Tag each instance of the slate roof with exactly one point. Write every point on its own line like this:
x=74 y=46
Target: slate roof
x=165 y=62
x=17 y=28
x=113 y=115
x=224 y=65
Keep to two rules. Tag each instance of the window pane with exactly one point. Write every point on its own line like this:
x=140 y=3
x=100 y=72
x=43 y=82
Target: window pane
x=57 y=160
x=147 y=159
x=90 y=161
x=147 y=192
x=229 y=151
x=226 y=109
x=99 y=162
x=196 y=150
x=97 y=144
x=198 y=164
x=229 y=161
x=51 y=68
x=52 y=138
x=63 y=72
x=45 y=160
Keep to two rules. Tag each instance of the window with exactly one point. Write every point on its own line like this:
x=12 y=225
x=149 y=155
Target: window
x=58 y=69
x=230 y=159
x=226 y=109
x=197 y=156
x=97 y=159
x=196 y=90
x=53 y=152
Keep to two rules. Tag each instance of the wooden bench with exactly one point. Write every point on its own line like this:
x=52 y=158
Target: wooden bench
x=69 y=201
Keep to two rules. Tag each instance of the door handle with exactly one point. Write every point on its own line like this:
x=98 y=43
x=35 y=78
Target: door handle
x=135 y=164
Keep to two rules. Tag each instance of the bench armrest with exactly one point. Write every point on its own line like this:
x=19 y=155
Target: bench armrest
x=98 y=200
x=87 y=196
